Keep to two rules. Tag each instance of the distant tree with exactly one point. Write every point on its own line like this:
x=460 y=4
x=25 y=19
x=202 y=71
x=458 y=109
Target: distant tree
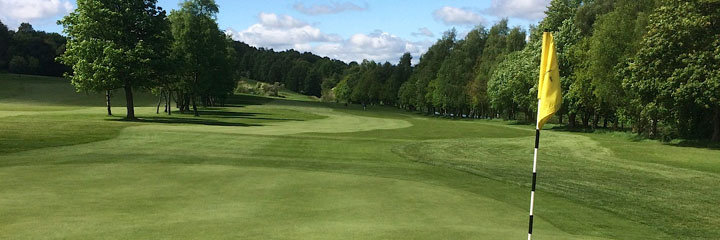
x=37 y=48
x=510 y=88
x=18 y=64
x=312 y=82
x=4 y=45
x=111 y=45
x=400 y=74
x=427 y=70
x=295 y=78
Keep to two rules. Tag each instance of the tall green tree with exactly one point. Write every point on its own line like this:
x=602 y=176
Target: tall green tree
x=201 y=48
x=427 y=70
x=111 y=44
x=615 y=38
x=449 y=86
x=510 y=87
x=674 y=74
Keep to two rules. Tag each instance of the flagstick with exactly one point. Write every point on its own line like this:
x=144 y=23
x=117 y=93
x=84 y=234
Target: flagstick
x=534 y=174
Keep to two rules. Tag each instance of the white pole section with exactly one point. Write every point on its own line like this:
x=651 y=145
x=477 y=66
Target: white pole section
x=534 y=173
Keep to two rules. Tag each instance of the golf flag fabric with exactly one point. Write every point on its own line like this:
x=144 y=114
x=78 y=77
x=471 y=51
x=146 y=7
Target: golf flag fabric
x=549 y=92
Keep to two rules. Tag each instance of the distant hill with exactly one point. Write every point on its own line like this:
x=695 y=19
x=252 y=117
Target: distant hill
x=249 y=86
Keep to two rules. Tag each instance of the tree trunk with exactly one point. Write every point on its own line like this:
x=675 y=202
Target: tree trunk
x=605 y=122
x=716 y=125
x=615 y=123
x=571 y=120
x=160 y=99
x=560 y=116
x=178 y=100
x=585 y=120
x=194 y=106
x=596 y=121
x=129 y=100
x=654 y=132
x=169 y=107
x=107 y=99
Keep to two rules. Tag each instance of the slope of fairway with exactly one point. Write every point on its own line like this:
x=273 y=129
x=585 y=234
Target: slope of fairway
x=272 y=169
x=167 y=201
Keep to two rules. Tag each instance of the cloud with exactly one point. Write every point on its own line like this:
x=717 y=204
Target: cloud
x=332 y=8
x=13 y=12
x=378 y=46
x=282 y=22
x=423 y=31
x=524 y=9
x=458 y=16
x=282 y=32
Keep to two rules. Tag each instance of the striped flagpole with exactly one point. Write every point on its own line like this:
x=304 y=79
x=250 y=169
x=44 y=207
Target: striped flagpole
x=534 y=173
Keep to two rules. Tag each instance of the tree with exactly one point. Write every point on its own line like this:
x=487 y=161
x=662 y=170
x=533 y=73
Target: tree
x=312 y=83
x=427 y=69
x=510 y=89
x=674 y=73
x=202 y=49
x=18 y=64
x=4 y=45
x=615 y=38
x=111 y=45
x=449 y=91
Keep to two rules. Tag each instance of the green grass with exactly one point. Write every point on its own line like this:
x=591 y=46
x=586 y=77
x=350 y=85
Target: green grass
x=264 y=168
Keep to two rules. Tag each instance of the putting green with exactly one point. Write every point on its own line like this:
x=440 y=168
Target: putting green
x=168 y=201
x=333 y=122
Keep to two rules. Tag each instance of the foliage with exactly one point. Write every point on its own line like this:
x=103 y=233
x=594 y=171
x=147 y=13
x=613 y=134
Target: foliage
x=113 y=44
x=30 y=51
x=674 y=73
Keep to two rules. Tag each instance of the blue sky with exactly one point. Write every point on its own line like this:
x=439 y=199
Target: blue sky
x=346 y=30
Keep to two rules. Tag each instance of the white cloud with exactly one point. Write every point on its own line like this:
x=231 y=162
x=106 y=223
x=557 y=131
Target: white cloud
x=14 y=12
x=282 y=32
x=423 y=31
x=524 y=9
x=458 y=16
x=332 y=8
x=378 y=46
x=283 y=21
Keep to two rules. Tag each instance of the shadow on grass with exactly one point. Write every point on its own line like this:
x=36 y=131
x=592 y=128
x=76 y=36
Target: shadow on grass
x=695 y=144
x=208 y=116
x=238 y=115
x=245 y=100
x=183 y=120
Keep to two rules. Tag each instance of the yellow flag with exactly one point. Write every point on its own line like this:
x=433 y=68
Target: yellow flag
x=549 y=92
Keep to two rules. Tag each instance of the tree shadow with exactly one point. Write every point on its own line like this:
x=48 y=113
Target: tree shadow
x=209 y=112
x=183 y=120
x=246 y=100
x=705 y=144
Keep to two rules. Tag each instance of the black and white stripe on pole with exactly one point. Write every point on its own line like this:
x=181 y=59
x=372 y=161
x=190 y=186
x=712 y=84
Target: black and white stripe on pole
x=534 y=174
x=534 y=178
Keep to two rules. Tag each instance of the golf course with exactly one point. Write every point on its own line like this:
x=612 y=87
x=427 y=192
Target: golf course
x=269 y=168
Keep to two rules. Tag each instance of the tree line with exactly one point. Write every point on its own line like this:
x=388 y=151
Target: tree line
x=27 y=51
x=649 y=65
x=183 y=56
x=300 y=72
